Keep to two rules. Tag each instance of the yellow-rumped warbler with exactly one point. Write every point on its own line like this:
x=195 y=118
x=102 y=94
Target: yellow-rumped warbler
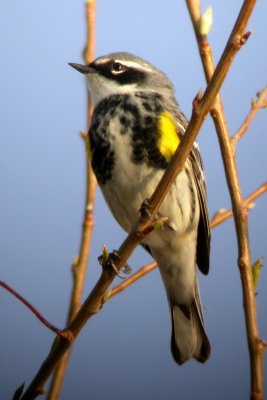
x=135 y=129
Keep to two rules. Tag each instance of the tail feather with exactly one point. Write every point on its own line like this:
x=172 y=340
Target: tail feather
x=189 y=339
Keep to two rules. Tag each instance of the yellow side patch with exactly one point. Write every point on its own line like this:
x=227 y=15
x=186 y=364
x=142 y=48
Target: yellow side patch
x=88 y=148
x=168 y=139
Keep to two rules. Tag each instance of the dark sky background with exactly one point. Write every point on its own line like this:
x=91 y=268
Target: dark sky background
x=123 y=352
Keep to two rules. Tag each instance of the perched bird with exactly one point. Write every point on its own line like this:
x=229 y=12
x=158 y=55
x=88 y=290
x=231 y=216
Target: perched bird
x=135 y=129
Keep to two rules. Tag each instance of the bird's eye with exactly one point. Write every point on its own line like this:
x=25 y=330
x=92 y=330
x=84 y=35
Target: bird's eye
x=118 y=68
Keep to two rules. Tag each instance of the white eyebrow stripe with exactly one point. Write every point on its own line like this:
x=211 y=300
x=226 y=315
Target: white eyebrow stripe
x=127 y=63
x=136 y=65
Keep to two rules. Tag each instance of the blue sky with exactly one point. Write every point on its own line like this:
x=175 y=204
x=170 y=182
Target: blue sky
x=124 y=350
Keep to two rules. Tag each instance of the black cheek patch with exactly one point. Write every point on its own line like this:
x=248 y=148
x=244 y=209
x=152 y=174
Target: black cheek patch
x=130 y=76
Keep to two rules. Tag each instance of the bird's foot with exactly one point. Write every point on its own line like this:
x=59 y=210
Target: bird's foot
x=145 y=209
x=108 y=259
x=156 y=222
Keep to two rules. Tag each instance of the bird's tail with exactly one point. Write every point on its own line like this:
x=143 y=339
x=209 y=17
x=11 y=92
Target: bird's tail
x=189 y=338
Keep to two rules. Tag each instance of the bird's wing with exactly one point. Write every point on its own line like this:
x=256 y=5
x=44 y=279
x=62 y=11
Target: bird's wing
x=203 y=242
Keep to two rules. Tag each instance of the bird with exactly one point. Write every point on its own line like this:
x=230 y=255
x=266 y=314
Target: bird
x=136 y=127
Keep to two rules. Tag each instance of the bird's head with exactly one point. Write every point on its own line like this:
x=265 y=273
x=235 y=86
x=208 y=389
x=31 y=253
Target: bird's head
x=123 y=73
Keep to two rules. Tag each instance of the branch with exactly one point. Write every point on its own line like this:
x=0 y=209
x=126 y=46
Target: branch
x=218 y=218
x=256 y=348
x=93 y=302
x=79 y=266
x=256 y=105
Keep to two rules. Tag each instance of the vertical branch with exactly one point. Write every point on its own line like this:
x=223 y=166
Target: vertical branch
x=79 y=266
x=256 y=347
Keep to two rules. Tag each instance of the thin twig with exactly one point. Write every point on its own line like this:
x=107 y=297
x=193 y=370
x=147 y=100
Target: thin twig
x=256 y=349
x=133 y=278
x=32 y=309
x=94 y=300
x=256 y=105
x=218 y=218
x=79 y=266
x=223 y=215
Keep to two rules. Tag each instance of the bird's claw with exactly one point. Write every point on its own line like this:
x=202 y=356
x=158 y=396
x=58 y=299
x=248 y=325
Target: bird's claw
x=145 y=209
x=109 y=260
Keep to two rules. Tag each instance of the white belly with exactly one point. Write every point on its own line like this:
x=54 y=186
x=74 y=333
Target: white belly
x=133 y=183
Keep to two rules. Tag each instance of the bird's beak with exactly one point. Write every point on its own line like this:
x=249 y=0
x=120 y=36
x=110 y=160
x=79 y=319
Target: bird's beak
x=84 y=69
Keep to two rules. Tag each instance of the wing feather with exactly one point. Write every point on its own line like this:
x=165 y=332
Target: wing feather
x=204 y=236
x=203 y=241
